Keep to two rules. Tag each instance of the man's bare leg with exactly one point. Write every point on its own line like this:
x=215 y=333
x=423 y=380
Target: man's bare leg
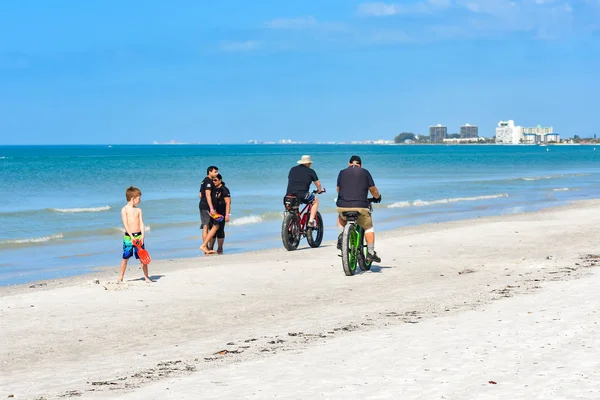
x=314 y=209
x=211 y=234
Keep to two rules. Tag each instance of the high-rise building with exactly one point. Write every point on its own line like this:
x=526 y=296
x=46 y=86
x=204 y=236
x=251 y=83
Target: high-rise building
x=508 y=133
x=468 y=131
x=437 y=133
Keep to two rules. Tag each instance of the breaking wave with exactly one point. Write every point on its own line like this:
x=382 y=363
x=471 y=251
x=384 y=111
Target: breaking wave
x=33 y=240
x=250 y=219
x=422 y=203
x=80 y=210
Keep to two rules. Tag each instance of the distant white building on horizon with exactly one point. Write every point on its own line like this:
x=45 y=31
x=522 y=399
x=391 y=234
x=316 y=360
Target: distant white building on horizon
x=540 y=134
x=508 y=133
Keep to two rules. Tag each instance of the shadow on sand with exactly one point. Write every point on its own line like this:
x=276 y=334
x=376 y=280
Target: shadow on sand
x=155 y=278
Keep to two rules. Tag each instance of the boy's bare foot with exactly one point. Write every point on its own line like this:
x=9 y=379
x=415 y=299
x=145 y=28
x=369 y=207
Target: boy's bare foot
x=148 y=280
x=206 y=250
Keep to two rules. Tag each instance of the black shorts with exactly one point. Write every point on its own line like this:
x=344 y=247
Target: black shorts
x=221 y=232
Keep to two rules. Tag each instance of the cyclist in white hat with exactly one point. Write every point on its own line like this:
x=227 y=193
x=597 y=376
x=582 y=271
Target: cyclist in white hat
x=299 y=180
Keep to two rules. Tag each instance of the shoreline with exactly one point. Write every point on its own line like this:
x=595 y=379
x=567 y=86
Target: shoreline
x=279 y=310
x=106 y=272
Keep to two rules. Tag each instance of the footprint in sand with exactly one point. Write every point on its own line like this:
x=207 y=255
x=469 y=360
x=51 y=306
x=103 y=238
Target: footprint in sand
x=116 y=286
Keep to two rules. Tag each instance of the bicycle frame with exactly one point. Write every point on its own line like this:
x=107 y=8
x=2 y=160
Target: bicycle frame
x=303 y=217
x=356 y=242
x=354 y=245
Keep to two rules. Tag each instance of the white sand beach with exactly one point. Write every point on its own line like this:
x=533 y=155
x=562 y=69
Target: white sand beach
x=492 y=308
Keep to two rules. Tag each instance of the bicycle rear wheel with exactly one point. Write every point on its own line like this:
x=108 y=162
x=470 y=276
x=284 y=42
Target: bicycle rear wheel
x=290 y=231
x=349 y=253
x=314 y=236
x=362 y=251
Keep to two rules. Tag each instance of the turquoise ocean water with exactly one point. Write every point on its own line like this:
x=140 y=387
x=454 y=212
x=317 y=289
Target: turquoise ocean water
x=60 y=205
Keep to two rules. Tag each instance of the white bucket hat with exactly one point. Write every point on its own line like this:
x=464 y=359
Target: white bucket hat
x=305 y=160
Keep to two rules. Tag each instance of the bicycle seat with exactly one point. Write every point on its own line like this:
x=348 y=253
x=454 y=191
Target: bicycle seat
x=351 y=215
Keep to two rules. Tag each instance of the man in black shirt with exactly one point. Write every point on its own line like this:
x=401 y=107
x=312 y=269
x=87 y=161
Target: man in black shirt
x=205 y=194
x=299 y=180
x=353 y=185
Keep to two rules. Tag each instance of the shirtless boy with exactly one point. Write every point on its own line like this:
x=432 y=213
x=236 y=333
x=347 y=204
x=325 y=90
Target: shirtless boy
x=134 y=228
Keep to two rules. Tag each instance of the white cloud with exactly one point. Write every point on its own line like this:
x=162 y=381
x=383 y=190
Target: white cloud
x=240 y=46
x=292 y=23
x=470 y=19
x=378 y=9
x=540 y=18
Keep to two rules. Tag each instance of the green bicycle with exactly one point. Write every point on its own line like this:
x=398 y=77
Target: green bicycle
x=354 y=247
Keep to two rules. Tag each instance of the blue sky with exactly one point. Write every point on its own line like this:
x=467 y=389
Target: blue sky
x=231 y=71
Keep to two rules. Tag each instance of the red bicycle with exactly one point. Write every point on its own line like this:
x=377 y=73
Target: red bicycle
x=294 y=224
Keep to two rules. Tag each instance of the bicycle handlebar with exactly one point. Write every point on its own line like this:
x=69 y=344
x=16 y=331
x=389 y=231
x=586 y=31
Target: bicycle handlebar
x=317 y=192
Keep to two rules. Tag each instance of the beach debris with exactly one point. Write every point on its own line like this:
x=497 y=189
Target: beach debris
x=230 y=344
x=102 y=383
x=70 y=393
x=11 y=395
x=492 y=383
x=96 y=281
x=38 y=285
x=549 y=258
x=223 y=352
x=466 y=271
x=250 y=340
x=276 y=341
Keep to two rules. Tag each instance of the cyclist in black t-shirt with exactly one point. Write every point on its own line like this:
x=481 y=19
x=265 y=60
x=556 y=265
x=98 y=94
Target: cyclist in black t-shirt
x=299 y=181
x=206 y=205
x=353 y=185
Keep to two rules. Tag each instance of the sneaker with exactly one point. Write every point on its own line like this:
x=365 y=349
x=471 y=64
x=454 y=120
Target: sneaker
x=339 y=243
x=371 y=258
x=311 y=224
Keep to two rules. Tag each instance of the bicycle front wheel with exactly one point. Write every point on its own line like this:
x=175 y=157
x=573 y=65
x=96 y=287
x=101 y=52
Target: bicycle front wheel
x=290 y=231
x=349 y=249
x=314 y=236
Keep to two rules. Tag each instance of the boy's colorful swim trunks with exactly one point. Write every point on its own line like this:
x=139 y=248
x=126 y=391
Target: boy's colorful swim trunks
x=128 y=248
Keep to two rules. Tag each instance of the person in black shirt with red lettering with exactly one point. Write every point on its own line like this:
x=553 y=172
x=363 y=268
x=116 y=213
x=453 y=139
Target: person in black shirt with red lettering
x=299 y=181
x=353 y=185
x=205 y=194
